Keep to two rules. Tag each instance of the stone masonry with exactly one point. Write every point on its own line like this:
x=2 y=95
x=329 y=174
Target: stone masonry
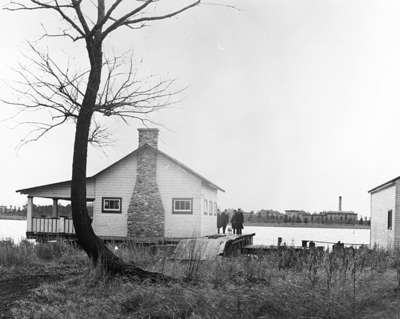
x=148 y=136
x=146 y=211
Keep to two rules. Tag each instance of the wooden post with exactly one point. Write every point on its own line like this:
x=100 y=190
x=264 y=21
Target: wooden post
x=60 y=226
x=55 y=208
x=29 y=211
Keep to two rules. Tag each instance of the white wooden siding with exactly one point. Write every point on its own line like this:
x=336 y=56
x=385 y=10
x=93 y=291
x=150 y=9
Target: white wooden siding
x=381 y=203
x=396 y=216
x=175 y=182
x=116 y=181
x=208 y=223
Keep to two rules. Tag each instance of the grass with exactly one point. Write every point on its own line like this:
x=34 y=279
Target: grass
x=28 y=258
x=344 y=284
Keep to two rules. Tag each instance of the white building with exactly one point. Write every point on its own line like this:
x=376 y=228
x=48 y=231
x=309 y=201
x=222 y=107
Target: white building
x=385 y=214
x=147 y=194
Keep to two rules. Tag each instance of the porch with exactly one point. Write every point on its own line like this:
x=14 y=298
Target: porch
x=42 y=228
x=56 y=220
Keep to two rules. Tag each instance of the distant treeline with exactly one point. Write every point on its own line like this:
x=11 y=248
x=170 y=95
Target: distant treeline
x=274 y=216
x=12 y=211
x=38 y=210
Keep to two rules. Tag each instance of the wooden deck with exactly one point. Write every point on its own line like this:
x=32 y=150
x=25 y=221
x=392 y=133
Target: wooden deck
x=234 y=247
x=48 y=229
x=212 y=247
x=44 y=229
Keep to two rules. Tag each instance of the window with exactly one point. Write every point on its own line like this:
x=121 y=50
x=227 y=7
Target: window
x=389 y=221
x=210 y=207
x=111 y=205
x=205 y=207
x=182 y=205
x=215 y=208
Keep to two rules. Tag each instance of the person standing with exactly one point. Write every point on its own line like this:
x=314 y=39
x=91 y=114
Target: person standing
x=219 y=221
x=239 y=221
x=234 y=221
x=224 y=220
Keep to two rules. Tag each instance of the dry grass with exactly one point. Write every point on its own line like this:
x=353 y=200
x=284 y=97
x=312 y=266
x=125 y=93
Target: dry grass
x=284 y=284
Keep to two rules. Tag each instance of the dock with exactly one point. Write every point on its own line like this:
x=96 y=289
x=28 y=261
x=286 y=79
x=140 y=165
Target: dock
x=211 y=247
x=62 y=228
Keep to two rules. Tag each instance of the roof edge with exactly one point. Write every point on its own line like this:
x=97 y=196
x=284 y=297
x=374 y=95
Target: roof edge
x=23 y=190
x=384 y=185
x=189 y=169
x=208 y=182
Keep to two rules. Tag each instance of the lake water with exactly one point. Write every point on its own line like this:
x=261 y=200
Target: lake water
x=16 y=229
x=294 y=235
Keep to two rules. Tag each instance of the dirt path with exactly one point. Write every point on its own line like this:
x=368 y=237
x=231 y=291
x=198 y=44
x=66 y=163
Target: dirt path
x=15 y=288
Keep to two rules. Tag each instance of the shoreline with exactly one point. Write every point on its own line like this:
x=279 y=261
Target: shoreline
x=6 y=217
x=302 y=225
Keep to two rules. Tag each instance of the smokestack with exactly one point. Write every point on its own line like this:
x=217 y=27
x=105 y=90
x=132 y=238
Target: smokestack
x=340 y=203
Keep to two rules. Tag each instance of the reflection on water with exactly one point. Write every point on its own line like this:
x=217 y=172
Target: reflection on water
x=16 y=229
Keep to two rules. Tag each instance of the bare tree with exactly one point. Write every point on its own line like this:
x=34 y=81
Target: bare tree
x=78 y=96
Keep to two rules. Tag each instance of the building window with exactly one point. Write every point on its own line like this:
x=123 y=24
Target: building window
x=389 y=219
x=205 y=207
x=215 y=208
x=182 y=205
x=210 y=207
x=111 y=204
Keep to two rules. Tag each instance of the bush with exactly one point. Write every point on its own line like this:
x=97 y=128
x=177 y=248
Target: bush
x=13 y=255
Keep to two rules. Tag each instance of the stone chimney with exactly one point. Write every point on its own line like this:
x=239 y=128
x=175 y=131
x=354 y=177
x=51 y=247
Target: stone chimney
x=148 y=136
x=146 y=210
x=340 y=203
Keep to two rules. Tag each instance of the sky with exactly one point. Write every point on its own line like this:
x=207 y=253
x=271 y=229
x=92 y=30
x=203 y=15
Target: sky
x=289 y=103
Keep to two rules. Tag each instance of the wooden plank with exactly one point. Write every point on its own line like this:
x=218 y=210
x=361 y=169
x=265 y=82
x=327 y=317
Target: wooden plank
x=29 y=212
x=69 y=226
x=60 y=225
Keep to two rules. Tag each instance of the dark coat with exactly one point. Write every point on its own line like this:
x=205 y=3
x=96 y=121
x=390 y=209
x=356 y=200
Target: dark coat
x=224 y=219
x=237 y=220
x=234 y=219
x=219 y=220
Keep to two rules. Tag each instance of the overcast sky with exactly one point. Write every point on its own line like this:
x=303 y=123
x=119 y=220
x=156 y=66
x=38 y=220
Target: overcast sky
x=289 y=103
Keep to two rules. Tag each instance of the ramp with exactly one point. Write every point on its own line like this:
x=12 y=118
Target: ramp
x=209 y=248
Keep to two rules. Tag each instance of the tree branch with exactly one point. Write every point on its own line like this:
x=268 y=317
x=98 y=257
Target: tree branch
x=40 y=5
x=124 y=21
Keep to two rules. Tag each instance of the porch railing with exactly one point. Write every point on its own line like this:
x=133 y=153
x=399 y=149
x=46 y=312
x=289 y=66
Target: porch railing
x=52 y=225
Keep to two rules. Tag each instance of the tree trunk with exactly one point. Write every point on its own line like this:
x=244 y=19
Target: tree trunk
x=87 y=239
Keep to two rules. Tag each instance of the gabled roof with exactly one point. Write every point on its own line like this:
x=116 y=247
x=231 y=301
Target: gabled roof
x=204 y=180
x=384 y=185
